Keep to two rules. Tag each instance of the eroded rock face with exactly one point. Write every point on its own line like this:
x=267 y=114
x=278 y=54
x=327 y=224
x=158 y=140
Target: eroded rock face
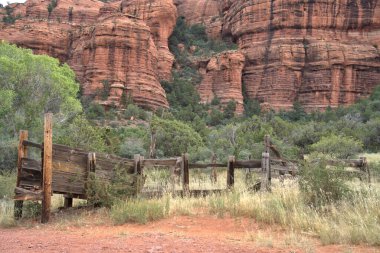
x=222 y=78
x=206 y=12
x=161 y=17
x=101 y=44
x=321 y=53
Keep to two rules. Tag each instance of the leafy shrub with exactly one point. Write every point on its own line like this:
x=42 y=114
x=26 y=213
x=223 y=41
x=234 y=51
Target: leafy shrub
x=106 y=193
x=338 y=146
x=321 y=184
x=8 y=155
x=135 y=111
x=132 y=147
x=81 y=134
x=174 y=137
x=95 y=111
x=31 y=209
x=7 y=184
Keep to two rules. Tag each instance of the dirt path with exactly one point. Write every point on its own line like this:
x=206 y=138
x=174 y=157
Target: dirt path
x=176 y=234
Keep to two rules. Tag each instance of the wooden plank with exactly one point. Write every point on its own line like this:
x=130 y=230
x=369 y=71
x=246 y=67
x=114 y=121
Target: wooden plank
x=154 y=162
x=31 y=144
x=186 y=174
x=47 y=167
x=31 y=165
x=22 y=153
x=248 y=164
x=207 y=165
x=231 y=172
x=24 y=194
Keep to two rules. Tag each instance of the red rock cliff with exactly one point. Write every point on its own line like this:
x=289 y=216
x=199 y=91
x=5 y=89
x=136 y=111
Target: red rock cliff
x=320 y=53
x=103 y=41
x=221 y=78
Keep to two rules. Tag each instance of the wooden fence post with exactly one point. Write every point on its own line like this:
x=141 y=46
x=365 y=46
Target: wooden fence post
x=47 y=167
x=138 y=172
x=22 y=153
x=214 y=175
x=366 y=168
x=186 y=175
x=231 y=172
x=267 y=163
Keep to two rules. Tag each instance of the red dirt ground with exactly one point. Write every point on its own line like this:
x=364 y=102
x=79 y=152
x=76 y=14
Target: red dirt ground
x=176 y=234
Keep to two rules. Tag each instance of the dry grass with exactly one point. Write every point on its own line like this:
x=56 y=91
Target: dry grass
x=352 y=220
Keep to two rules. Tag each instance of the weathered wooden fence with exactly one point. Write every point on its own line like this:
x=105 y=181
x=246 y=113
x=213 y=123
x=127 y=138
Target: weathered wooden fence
x=65 y=170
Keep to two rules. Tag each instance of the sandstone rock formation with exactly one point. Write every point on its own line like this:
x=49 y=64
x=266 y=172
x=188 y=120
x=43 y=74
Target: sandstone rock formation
x=206 y=12
x=222 y=78
x=320 y=53
x=316 y=52
x=103 y=42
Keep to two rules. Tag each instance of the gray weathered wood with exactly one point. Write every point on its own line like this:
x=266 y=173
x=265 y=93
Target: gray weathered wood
x=186 y=174
x=22 y=153
x=231 y=172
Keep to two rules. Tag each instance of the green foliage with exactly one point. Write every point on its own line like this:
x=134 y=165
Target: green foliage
x=79 y=133
x=104 y=93
x=174 y=137
x=95 y=111
x=32 y=85
x=7 y=184
x=51 y=6
x=123 y=185
x=140 y=211
x=195 y=36
x=9 y=18
x=229 y=110
x=135 y=112
x=31 y=209
x=338 y=146
x=321 y=184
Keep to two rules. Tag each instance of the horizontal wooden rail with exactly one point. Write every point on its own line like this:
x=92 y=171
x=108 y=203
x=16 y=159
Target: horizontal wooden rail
x=161 y=162
x=247 y=164
x=206 y=165
x=31 y=144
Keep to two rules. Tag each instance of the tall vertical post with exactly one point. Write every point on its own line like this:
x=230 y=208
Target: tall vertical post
x=186 y=174
x=22 y=152
x=138 y=172
x=231 y=172
x=267 y=162
x=47 y=167
x=214 y=175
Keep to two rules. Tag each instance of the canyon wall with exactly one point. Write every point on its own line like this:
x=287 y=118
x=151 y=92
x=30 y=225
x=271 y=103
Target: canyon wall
x=320 y=53
x=104 y=43
x=222 y=79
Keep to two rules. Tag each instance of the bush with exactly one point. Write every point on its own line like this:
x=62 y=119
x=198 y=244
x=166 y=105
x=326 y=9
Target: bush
x=81 y=134
x=95 y=111
x=106 y=193
x=132 y=147
x=7 y=184
x=338 y=146
x=321 y=184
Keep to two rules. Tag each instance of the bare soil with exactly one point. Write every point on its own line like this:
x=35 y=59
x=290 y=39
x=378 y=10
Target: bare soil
x=176 y=234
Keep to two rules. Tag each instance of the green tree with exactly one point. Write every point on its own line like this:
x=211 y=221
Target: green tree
x=31 y=85
x=174 y=137
x=338 y=146
x=79 y=133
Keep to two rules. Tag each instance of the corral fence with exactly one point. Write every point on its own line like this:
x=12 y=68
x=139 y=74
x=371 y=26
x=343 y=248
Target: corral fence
x=65 y=170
